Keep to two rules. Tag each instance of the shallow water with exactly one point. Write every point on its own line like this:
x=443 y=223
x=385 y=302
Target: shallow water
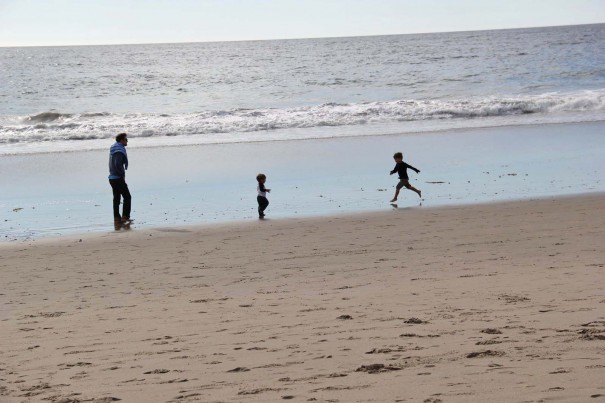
x=66 y=193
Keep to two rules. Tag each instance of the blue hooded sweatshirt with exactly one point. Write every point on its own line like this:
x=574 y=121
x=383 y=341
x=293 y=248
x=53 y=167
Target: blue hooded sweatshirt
x=118 y=161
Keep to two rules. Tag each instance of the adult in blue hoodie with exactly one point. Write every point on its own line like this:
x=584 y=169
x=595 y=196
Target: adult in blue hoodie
x=118 y=164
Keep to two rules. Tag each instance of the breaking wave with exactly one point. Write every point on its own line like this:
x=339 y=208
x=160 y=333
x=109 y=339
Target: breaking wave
x=46 y=117
x=53 y=126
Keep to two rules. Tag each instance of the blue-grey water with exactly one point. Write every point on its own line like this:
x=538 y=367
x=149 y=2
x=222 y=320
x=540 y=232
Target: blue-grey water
x=485 y=116
x=66 y=98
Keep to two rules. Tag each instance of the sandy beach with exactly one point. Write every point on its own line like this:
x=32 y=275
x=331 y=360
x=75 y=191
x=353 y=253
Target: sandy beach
x=495 y=302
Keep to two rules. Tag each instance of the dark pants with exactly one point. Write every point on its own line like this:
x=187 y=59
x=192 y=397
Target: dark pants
x=263 y=202
x=120 y=189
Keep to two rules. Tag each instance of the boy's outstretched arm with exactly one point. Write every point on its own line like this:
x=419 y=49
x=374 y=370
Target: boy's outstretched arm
x=415 y=169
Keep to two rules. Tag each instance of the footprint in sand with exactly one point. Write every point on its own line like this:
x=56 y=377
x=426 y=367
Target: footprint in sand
x=157 y=371
x=486 y=353
x=239 y=369
x=415 y=321
x=491 y=331
x=377 y=368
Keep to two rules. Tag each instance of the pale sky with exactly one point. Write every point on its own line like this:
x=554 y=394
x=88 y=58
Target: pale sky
x=87 y=22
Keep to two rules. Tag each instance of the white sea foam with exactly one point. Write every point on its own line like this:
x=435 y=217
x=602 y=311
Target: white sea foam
x=64 y=98
x=261 y=124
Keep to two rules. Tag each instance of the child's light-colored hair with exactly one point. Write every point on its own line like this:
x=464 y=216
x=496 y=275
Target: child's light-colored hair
x=398 y=155
x=261 y=177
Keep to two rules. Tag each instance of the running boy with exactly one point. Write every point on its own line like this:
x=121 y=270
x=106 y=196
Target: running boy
x=262 y=200
x=404 y=181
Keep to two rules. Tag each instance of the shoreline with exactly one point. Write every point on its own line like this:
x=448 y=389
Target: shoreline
x=235 y=224
x=485 y=303
x=68 y=194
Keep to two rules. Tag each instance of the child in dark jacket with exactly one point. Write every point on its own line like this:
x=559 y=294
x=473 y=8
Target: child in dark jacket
x=262 y=191
x=404 y=181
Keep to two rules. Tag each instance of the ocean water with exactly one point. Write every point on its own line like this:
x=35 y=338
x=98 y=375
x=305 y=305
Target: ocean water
x=485 y=116
x=55 y=99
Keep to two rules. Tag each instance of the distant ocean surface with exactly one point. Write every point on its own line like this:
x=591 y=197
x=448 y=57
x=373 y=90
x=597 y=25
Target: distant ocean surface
x=55 y=99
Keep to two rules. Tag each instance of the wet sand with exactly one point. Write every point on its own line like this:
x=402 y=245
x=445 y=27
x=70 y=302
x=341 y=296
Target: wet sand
x=495 y=302
x=68 y=193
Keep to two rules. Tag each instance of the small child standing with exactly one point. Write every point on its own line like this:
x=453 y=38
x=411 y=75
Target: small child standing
x=404 y=181
x=262 y=200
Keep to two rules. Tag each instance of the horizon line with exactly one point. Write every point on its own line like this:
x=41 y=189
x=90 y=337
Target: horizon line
x=298 y=38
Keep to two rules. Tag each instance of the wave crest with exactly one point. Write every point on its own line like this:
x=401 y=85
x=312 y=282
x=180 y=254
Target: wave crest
x=45 y=117
x=54 y=126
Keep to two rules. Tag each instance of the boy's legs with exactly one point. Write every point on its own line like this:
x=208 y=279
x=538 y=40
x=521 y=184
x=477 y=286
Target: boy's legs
x=405 y=183
x=408 y=186
x=263 y=202
x=398 y=188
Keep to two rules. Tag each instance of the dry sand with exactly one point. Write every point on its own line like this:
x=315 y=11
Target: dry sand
x=499 y=302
